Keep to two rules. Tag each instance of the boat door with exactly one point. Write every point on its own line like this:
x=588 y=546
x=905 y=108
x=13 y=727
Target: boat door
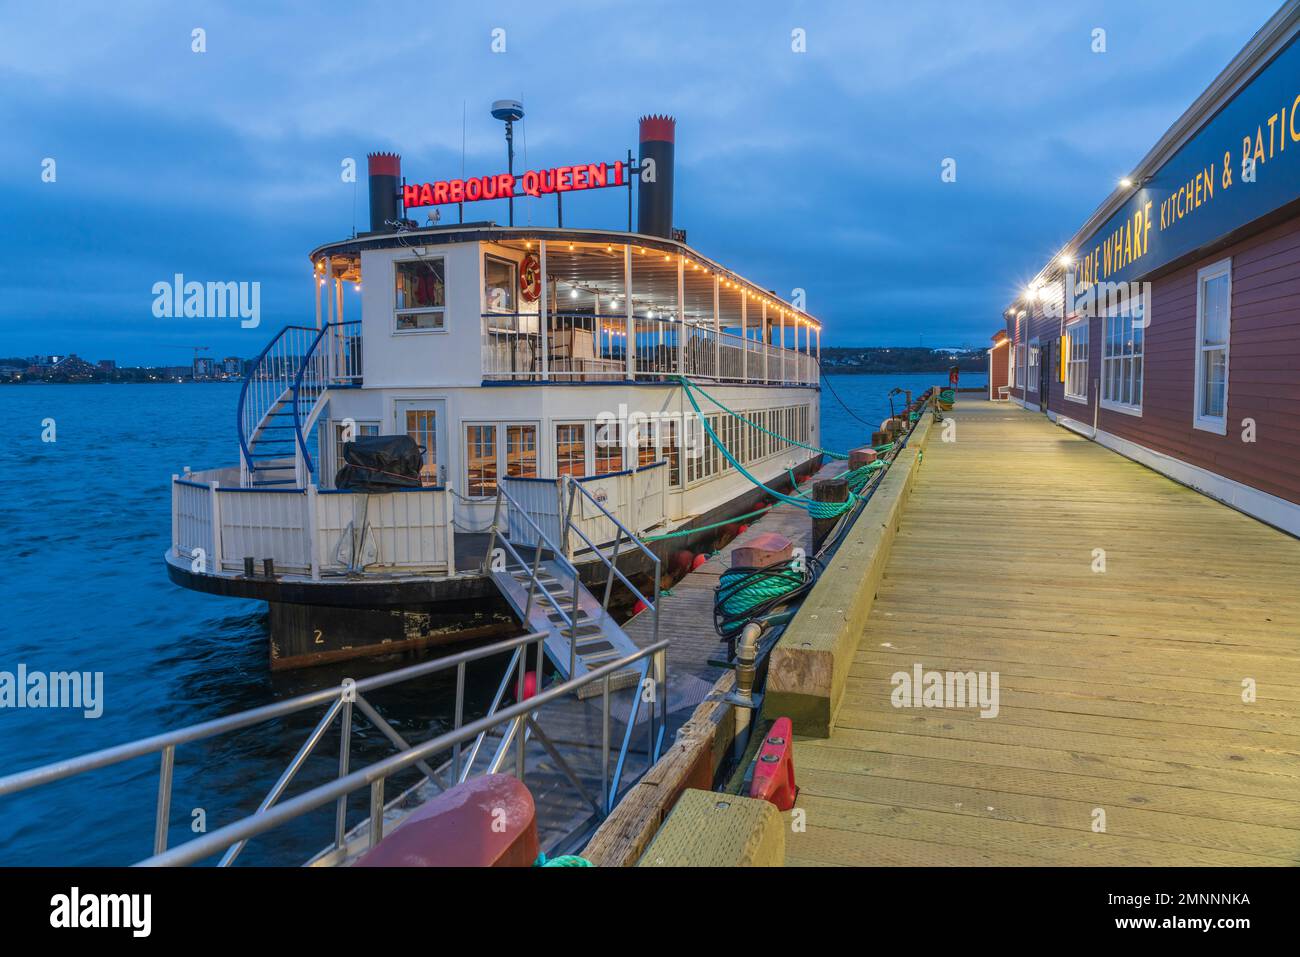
x=425 y=421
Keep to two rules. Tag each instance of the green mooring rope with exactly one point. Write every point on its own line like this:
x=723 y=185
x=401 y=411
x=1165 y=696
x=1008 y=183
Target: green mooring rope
x=743 y=594
x=815 y=509
x=776 y=435
x=564 y=860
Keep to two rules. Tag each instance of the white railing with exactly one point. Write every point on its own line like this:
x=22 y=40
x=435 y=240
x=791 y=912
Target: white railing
x=636 y=497
x=310 y=531
x=593 y=348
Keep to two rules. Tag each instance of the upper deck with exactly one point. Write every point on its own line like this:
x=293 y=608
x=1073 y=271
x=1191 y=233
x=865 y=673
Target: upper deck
x=481 y=304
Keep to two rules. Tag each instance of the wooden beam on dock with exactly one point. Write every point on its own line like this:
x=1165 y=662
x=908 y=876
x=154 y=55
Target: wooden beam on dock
x=707 y=829
x=809 y=665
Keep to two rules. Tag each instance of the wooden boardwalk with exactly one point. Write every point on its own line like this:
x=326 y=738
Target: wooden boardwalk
x=1120 y=690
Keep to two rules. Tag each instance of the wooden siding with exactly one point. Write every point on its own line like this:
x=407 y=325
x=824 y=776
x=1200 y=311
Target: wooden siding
x=1263 y=368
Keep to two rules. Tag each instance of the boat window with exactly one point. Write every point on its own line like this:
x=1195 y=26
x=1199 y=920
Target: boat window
x=521 y=451
x=671 y=444
x=609 y=447
x=645 y=444
x=571 y=449
x=480 y=460
x=421 y=295
x=422 y=427
x=500 y=283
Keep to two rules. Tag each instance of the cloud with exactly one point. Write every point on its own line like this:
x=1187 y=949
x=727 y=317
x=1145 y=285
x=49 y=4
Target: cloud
x=818 y=170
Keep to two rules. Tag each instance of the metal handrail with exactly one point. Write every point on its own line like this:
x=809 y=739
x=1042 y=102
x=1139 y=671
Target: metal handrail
x=338 y=698
x=611 y=565
x=297 y=386
x=375 y=774
x=241 y=425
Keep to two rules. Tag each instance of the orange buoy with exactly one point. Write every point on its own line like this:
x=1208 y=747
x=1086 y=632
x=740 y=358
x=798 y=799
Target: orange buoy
x=700 y=559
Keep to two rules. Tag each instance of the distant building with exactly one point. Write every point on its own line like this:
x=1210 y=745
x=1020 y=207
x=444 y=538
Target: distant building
x=71 y=368
x=232 y=366
x=107 y=365
x=204 y=367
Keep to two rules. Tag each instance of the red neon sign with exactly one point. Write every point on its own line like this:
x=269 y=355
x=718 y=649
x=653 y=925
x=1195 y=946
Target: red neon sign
x=560 y=179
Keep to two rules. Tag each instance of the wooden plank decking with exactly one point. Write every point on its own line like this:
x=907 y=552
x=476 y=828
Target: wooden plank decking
x=1120 y=691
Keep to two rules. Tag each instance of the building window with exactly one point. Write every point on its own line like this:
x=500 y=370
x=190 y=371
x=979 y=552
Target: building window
x=480 y=460
x=1032 y=373
x=1076 y=361
x=609 y=448
x=1213 y=319
x=500 y=282
x=521 y=451
x=1020 y=366
x=1121 y=360
x=571 y=450
x=421 y=295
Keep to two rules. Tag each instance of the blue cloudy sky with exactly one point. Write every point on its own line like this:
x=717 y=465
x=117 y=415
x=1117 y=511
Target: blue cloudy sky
x=818 y=170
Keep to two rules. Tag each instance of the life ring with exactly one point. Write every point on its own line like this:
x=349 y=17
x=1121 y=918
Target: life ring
x=530 y=278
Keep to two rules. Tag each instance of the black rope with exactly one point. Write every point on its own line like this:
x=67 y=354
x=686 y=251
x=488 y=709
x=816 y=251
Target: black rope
x=826 y=380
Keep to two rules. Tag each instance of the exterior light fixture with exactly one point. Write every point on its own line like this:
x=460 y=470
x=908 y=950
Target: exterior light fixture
x=1126 y=182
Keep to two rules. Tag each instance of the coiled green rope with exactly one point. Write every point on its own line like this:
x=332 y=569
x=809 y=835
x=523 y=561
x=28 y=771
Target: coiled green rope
x=743 y=594
x=564 y=860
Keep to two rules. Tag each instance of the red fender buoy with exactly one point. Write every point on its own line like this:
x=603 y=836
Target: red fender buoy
x=681 y=561
x=743 y=530
x=700 y=559
x=774 y=770
x=639 y=607
x=530 y=684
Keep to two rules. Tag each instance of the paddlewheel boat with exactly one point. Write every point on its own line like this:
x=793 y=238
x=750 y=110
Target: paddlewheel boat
x=561 y=385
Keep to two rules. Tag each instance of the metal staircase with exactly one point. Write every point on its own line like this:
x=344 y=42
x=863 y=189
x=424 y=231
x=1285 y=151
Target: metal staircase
x=283 y=394
x=549 y=597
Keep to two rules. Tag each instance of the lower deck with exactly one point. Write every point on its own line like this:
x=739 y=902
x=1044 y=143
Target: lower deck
x=1121 y=735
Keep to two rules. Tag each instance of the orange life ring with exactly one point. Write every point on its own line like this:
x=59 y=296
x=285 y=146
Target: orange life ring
x=530 y=278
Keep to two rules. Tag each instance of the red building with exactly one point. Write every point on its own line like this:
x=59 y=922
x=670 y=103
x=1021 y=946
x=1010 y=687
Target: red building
x=1168 y=328
x=1000 y=366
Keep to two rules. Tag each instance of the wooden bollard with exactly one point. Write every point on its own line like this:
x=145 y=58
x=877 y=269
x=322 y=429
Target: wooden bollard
x=827 y=490
x=861 y=457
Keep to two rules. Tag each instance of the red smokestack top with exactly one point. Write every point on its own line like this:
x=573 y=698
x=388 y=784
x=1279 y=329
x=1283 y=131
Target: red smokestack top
x=657 y=128
x=385 y=164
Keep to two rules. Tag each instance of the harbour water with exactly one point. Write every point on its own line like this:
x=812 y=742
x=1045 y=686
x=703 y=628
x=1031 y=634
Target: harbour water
x=85 y=522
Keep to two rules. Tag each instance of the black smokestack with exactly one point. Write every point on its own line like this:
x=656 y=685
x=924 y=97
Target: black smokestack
x=654 y=214
x=385 y=174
